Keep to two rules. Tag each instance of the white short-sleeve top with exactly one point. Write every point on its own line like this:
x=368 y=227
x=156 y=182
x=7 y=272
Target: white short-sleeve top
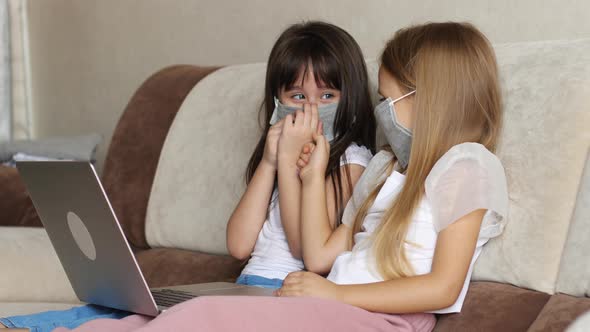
x=271 y=257
x=466 y=178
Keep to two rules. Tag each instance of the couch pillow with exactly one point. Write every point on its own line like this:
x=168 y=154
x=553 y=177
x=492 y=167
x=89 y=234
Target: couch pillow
x=200 y=175
x=32 y=271
x=581 y=324
x=574 y=273
x=546 y=90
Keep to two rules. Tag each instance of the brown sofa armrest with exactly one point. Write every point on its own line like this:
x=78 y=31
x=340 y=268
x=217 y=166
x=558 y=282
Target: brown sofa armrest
x=16 y=207
x=170 y=267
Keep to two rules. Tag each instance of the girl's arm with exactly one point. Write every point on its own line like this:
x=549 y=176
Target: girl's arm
x=436 y=290
x=247 y=219
x=321 y=243
x=433 y=291
x=290 y=204
x=297 y=131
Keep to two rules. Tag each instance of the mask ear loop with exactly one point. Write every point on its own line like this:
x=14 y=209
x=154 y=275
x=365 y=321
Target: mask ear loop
x=402 y=97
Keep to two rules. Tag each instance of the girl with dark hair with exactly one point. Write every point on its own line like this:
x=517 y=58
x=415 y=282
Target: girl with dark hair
x=316 y=80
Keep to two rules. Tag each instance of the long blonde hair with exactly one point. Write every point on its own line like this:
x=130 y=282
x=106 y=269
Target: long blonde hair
x=453 y=69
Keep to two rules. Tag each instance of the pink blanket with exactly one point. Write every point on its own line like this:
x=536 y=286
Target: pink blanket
x=241 y=313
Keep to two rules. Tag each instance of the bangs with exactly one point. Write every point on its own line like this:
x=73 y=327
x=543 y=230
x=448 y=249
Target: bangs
x=299 y=57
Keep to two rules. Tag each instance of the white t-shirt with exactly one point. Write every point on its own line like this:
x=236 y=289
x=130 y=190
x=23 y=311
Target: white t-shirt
x=271 y=257
x=466 y=178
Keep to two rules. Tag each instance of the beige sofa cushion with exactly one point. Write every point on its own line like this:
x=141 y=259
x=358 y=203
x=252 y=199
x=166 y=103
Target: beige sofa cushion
x=31 y=270
x=546 y=87
x=200 y=175
x=574 y=274
x=581 y=324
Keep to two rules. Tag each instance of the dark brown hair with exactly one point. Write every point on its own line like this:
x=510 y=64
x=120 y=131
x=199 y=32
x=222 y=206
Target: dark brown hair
x=338 y=62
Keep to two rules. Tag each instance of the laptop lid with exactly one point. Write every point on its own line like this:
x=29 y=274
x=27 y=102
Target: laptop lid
x=86 y=235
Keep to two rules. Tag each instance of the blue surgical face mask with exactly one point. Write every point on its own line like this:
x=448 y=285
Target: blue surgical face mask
x=326 y=113
x=398 y=136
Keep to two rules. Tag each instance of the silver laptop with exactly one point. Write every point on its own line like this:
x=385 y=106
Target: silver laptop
x=91 y=246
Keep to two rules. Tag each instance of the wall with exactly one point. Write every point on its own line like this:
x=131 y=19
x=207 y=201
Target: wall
x=88 y=57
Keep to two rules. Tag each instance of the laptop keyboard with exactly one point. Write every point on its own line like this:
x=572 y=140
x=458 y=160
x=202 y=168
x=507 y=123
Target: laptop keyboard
x=170 y=297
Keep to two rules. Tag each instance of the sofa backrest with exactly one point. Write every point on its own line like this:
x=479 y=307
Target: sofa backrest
x=546 y=137
x=574 y=272
x=545 y=140
x=200 y=175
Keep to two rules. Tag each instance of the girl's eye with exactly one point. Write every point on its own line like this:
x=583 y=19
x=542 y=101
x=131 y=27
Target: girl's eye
x=298 y=96
x=327 y=96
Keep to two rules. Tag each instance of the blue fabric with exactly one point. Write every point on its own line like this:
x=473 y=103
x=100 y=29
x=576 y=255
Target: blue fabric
x=72 y=318
x=253 y=280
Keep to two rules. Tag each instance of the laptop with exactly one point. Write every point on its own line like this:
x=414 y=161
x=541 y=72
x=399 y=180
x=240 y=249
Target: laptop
x=92 y=247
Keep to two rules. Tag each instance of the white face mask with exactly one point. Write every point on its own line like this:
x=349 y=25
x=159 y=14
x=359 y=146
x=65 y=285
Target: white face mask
x=398 y=136
x=326 y=113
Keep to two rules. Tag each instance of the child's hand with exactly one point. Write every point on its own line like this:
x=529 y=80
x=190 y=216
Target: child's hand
x=305 y=155
x=316 y=164
x=308 y=284
x=297 y=131
x=308 y=149
x=271 y=146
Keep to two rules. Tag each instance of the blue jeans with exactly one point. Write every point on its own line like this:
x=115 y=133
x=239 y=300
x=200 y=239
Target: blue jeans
x=71 y=318
x=253 y=280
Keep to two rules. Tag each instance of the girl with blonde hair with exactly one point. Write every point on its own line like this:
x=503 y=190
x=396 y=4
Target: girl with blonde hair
x=424 y=208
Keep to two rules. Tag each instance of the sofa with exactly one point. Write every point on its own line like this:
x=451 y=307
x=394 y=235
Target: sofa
x=175 y=170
